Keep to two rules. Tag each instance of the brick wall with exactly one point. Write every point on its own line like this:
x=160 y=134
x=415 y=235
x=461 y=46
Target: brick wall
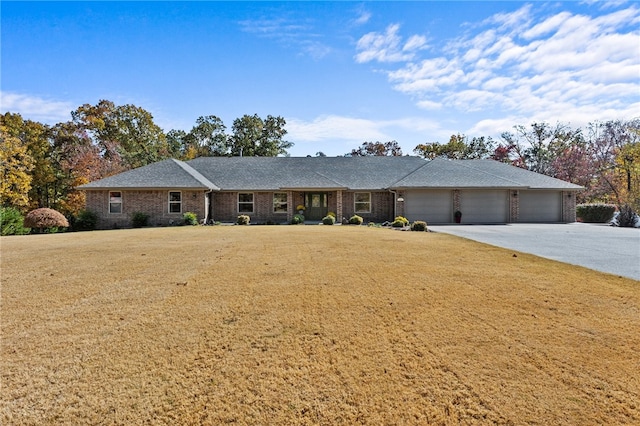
x=225 y=208
x=568 y=206
x=381 y=206
x=155 y=203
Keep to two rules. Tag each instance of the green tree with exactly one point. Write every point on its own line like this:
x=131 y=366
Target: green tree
x=459 y=147
x=208 y=137
x=255 y=137
x=391 y=148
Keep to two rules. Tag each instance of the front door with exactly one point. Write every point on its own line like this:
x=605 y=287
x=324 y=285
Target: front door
x=316 y=206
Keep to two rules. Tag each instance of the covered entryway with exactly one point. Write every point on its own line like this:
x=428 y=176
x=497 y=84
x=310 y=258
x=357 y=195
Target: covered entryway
x=316 y=205
x=484 y=206
x=431 y=206
x=540 y=206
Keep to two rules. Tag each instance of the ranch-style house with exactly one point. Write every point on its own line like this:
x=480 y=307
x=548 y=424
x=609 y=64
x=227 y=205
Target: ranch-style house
x=269 y=190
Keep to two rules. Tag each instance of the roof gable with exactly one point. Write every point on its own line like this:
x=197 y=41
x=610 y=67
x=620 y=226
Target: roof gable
x=164 y=174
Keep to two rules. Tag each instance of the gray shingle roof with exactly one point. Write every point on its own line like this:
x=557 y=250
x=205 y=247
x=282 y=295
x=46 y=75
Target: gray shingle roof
x=270 y=173
x=327 y=173
x=441 y=173
x=164 y=174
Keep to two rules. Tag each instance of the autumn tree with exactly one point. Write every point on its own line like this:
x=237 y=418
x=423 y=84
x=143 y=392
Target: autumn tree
x=16 y=165
x=127 y=128
x=254 y=137
x=378 y=149
x=35 y=137
x=536 y=147
x=616 y=157
x=79 y=161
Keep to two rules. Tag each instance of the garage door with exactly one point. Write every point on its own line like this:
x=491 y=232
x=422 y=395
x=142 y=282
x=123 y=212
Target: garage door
x=484 y=206
x=432 y=206
x=540 y=206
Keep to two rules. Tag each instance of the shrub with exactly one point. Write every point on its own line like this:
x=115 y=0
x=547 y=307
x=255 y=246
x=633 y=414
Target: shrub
x=140 y=220
x=400 y=222
x=12 y=222
x=355 y=220
x=329 y=220
x=297 y=219
x=86 y=221
x=190 y=218
x=627 y=217
x=419 y=225
x=595 y=213
x=331 y=214
x=243 y=219
x=45 y=218
x=401 y=219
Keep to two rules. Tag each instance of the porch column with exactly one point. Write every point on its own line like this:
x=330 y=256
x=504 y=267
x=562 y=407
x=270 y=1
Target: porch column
x=339 y=206
x=291 y=205
x=514 y=206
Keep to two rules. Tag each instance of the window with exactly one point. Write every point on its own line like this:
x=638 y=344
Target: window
x=175 y=202
x=362 y=201
x=245 y=203
x=115 y=202
x=279 y=202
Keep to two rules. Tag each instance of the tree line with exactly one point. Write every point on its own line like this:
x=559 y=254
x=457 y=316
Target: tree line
x=42 y=165
x=604 y=158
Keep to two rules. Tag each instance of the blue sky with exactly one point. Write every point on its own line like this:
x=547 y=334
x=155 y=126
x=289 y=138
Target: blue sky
x=340 y=73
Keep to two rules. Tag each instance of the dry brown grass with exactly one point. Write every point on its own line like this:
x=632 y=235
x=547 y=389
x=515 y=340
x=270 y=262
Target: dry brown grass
x=309 y=325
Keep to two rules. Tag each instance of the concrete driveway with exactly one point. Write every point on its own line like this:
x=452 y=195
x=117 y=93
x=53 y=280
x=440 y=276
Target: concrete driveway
x=600 y=247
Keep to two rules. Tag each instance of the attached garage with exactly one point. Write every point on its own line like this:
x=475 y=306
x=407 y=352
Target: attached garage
x=540 y=206
x=432 y=206
x=484 y=206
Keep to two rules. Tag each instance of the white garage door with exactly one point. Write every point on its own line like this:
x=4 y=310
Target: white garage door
x=540 y=206
x=432 y=206
x=484 y=206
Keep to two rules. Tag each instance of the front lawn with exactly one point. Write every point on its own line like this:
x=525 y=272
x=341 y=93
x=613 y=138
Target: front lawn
x=309 y=325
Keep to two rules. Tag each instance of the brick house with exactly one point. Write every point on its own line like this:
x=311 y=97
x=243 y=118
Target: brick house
x=269 y=189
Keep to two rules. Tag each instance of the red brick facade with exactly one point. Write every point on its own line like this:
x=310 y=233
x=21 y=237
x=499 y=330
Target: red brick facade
x=225 y=208
x=155 y=203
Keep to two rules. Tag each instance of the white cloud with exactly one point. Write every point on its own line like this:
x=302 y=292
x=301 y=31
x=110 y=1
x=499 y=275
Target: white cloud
x=333 y=127
x=36 y=108
x=289 y=32
x=526 y=65
x=337 y=135
x=546 y=27
x=363 y=17
x=388 y=46
x=429 y=105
